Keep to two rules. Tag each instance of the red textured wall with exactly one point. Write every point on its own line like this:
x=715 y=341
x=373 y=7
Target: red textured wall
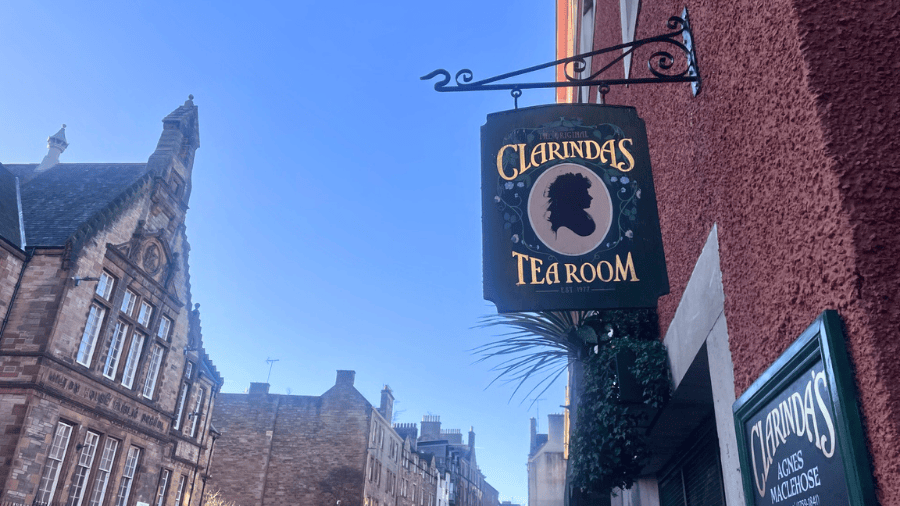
x=791 y=148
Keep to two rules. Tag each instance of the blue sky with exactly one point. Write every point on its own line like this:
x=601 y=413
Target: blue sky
x=335 y=219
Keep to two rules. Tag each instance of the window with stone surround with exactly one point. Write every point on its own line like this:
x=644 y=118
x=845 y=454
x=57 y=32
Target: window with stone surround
x=107 y=459
x=165 y=327
x=128 y=472
x=131 y=363
x=83 y=468
x=179 y=406
x=50 y=475
x=116 y=343
x=128 y=302
x=162 y=487
x=89 y=337
x=105 y=285
x=145 y=313
x=179 y=495
x=153 y=366
x=197 y=414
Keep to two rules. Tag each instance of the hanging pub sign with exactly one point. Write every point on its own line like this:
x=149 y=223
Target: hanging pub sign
x=569 y=211
x=798 y=428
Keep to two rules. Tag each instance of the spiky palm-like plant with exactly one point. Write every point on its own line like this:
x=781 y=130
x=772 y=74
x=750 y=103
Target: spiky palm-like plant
x=538 y=346
x=607 y=447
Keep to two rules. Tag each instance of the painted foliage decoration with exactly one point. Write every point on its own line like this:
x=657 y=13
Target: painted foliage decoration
x=569 y=210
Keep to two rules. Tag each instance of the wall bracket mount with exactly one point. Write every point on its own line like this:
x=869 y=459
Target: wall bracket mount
x=673 y=61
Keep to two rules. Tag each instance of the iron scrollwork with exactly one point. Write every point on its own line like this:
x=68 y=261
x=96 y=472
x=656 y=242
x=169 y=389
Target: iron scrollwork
x=661 y=64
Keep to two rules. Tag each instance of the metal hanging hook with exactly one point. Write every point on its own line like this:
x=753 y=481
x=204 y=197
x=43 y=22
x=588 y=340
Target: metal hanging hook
x=516 y=93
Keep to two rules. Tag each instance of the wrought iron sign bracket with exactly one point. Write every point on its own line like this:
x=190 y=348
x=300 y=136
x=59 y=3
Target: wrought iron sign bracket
x=662 y=66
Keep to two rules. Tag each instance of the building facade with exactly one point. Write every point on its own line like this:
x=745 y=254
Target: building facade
x=317 y=450
x=547 y=464
x=465 y=483
x=106 y=389
x=778 y=196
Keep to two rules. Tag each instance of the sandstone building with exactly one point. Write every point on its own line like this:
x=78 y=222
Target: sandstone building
x=279 y=450
x=547 y=464
x=311 y=450
x=467 y=484
x=105 y=387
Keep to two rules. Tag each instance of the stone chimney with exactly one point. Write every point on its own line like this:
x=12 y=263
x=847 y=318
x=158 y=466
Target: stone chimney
x=555 y=429
x=387 y=403
x=345 y=378
x=431 y=428
x=56 y=144
x=533 y=436
x=408 y=430
x=471 y=438
x=258 y=389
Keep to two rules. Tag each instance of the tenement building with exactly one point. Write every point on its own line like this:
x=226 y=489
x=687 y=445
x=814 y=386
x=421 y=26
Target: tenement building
x=778 y=189
x=280 y=450
x=105 y=387
x=336 y=447
x=467 y=485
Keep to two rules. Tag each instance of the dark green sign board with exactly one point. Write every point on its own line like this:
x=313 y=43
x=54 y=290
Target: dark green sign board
x=798 y=428
x=569 y=210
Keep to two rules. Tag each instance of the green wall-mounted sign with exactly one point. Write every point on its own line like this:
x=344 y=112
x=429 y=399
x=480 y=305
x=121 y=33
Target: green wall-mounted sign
x=798 y=428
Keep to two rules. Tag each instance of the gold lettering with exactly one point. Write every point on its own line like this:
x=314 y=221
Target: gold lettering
x=519 y=259
x=593 y=273
x=609 y=267
x=554 y=151
x=623 y=270
x=539 y=150
x=575 y=148
x=500 y=163
x=588 y=154
x=552 y=271
x=523 y=164
x=570 y=274
x=536 y=271
x=627 y=155
x=609 y=147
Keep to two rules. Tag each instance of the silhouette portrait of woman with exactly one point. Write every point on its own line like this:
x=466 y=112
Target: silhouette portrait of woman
x=568 y=200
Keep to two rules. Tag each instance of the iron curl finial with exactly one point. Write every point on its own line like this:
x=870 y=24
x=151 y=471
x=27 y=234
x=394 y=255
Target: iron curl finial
x=578 y=65
x=466 y=76
x=664 y=61
x=675 y=23
x=445 y=78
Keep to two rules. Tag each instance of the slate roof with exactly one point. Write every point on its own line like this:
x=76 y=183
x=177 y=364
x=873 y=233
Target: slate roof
x=9 y=208
x=61 y=199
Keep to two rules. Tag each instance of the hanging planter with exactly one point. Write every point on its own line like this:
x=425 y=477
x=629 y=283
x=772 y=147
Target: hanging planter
x=626 y=382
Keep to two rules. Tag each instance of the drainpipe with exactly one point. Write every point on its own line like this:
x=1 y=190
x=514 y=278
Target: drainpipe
x=28 y=256
x=200 y=448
